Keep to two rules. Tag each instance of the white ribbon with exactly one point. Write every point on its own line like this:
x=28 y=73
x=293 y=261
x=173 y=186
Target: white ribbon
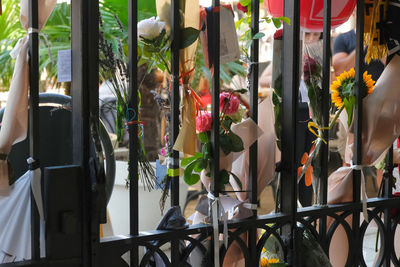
x=36 y=186
x=363 y=191
x=250 y=206
x=15 y=51
x=33 y=30
x=216 y=203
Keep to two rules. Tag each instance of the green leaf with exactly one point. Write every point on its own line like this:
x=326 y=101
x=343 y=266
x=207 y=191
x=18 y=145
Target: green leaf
x=245 y=2
x=225 y=144
x=275 y=99
x=198 y=166
x=237 y=143
x=189 y=36
x=188 y=175
x=349 y=109
x=237 y=180
x=248 y=44
x=201 y=165
x=284 y=19
x=186 y=161
x=277 y=22
x=192 y=179
x=206 y=150
x=258 y=35
x=223 y=177
x=203 y=137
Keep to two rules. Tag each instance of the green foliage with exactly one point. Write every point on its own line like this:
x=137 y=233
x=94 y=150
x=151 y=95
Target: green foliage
x=58 y=32
x=10 y=31
x=156 y=52
x=245 y=24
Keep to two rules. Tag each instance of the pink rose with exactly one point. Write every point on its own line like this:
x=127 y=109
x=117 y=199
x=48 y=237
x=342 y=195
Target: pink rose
x=228 y=103
x=203 y=122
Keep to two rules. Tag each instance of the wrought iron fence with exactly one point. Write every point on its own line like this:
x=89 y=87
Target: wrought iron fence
x=285 y=226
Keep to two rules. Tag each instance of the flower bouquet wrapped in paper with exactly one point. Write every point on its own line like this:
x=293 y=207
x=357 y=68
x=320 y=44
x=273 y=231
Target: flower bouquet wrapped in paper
x=381 y=111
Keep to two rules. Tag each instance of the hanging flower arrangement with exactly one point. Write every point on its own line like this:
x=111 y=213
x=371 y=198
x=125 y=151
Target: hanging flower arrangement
x=231 y=112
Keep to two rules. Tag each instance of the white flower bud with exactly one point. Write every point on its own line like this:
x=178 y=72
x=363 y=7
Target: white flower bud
x=150 y=28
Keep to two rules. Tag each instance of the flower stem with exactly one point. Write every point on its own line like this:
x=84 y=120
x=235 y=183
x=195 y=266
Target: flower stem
x=160 y=56
x=336 y=117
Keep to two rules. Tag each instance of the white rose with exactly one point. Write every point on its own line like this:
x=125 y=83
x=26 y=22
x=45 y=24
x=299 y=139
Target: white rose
x=150 y=28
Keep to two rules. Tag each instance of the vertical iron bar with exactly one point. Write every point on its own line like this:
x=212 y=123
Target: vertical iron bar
x=84 y=43
x=174 y=165
x=291 y=46
x=215 y=100
x=357 y=158
x=253 y=77
x=387 y=193
x=93 y=16
x=255 y=16
x=325 y=96
x=215 y=48
x=175 y=32
x=133 y=132
x=34 y=116
x=323 y=190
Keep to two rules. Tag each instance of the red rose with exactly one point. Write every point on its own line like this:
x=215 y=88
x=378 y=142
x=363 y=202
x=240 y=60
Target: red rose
x=278 y=35
x=309 y=67
x=242 y=8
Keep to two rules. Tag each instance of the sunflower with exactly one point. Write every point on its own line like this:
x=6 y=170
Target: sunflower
x=344 y=84
x=265 y=262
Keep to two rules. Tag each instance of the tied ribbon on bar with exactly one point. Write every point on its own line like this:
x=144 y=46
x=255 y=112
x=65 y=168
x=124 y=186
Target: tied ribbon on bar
x=215 y=205
x=173 y=172
x=130 y=120
x=36 y=185
x=15 y=51
x=363 y=191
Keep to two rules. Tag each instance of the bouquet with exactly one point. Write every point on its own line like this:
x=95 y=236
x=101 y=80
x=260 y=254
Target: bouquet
x=343 y=91
x=230 y=112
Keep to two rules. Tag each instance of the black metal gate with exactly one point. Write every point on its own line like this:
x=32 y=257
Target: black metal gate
x=92 y=251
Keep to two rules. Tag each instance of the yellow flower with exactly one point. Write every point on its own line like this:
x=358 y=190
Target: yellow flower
x=264 y=262
x=347 y=77
x=264 y=250
x=273 y=260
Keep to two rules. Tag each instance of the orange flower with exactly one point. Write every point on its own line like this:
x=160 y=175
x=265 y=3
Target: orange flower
x=309 y=171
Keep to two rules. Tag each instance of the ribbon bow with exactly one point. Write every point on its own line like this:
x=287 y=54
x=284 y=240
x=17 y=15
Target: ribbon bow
x=216 y=203
x=312 y=125
x=363 y=191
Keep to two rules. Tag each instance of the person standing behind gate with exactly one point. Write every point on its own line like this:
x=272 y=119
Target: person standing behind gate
x=344 y=56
